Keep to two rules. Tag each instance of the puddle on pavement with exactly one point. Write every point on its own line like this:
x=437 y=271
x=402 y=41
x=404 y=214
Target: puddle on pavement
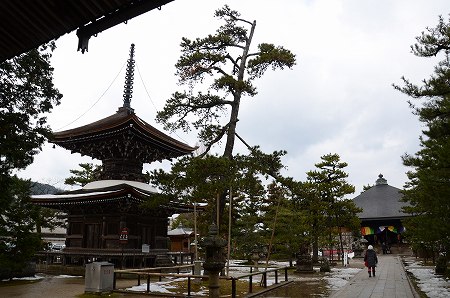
x=312 y=288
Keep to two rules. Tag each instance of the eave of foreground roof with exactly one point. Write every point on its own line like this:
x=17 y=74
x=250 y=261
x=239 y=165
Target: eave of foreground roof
x=25 y=25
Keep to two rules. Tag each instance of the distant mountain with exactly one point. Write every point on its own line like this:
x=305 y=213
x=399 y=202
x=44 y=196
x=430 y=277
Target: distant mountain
x=43 y=189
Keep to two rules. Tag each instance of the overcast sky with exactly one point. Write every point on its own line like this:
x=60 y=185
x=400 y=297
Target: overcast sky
x=337 y=99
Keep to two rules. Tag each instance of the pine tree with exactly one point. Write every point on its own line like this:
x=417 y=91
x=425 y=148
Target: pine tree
x=27 y=93
x=428 y=188
x=226 y=62
x=88 y=173
x=325 y=192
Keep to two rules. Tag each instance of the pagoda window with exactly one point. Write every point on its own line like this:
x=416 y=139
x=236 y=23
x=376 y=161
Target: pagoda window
x=93 y=236
x=76 y=228
x=147 y=235
x=76 y=242
x=112 y=228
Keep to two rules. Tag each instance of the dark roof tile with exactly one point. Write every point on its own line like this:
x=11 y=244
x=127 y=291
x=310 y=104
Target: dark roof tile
x=381 y=201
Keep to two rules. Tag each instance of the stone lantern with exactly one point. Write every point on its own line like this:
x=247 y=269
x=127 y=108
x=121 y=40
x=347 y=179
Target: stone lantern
x=358 y=247
x=304 y=261
x=214 y=259
x=256 y=256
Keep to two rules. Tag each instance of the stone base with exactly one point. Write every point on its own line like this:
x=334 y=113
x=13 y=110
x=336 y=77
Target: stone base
x=304 y=270
x=304 y=264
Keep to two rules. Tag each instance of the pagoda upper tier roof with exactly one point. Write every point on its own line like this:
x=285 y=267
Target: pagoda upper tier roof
x=121 y=135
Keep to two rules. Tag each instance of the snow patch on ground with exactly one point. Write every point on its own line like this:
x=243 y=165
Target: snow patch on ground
x=36 y=277
x=434 y=286
x=412 y=262
x=339 y=277
x=42 y=276
x=160 y=287
x=68 y=276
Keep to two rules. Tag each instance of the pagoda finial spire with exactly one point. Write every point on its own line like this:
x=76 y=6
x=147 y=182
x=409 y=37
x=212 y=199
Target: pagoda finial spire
x=380 y=180
x=129 y=77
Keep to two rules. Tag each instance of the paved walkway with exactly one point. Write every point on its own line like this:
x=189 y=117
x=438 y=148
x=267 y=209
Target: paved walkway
x=390 y=282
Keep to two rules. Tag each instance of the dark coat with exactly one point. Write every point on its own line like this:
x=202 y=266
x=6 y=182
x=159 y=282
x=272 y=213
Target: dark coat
x=371 y=258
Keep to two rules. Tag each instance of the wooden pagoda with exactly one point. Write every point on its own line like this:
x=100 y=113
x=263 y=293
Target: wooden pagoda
x=105 y=218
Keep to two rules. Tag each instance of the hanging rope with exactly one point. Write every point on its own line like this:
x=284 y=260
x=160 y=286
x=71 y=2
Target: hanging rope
x=145 y=88
x=101 y=96
x=150 y=98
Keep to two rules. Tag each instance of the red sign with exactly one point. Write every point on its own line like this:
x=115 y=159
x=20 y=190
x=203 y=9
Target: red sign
x=123 y=237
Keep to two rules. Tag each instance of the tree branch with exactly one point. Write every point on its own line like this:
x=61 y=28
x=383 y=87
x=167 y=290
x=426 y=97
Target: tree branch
x=216 y=139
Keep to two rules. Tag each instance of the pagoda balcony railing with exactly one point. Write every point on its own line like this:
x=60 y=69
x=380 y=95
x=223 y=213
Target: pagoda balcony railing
x=80 y=251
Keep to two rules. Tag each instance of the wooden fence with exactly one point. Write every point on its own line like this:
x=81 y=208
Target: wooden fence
x=147 y=273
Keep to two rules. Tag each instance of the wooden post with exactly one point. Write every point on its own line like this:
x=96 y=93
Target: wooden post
x=233 y=288
x=189 y=286
x=229 y=232
x=218 y=211
x=195 y=232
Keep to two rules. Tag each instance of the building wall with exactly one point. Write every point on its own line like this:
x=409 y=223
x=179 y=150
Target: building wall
x=180 y=243
x=103 y=231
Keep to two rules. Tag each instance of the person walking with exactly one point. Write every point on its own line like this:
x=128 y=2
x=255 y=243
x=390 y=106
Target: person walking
x=370 y=260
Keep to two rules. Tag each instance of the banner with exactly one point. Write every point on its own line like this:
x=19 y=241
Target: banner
x=392 y=229
x=370 y=231
x=367 y=231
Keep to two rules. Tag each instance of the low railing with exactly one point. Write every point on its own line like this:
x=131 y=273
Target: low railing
x=234 y=279
x=102 y=252
x=263 y=282
x=181 y=257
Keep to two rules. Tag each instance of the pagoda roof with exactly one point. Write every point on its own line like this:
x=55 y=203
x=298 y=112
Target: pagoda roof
x=131 y=135
x=105 y=192
x=381 y=201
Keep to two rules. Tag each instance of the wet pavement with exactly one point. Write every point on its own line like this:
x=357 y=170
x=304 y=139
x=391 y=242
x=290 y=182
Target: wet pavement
x=49 y=287
x=52 y=287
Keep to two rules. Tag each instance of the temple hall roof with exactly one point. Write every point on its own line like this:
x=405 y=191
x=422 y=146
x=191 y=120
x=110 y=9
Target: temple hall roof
x=381 y=201
x=180 y=231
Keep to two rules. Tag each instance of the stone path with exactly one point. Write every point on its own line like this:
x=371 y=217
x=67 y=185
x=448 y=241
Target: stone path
x=390 y=282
